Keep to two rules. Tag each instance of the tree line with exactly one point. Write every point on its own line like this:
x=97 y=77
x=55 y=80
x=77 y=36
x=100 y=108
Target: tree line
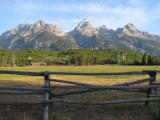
x=76 y=57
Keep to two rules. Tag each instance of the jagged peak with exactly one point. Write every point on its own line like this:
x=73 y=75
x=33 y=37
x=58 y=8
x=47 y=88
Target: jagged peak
x=84 y=23
x=85 y=28
x=86 y=20
x=130 y=26
x=40 y=22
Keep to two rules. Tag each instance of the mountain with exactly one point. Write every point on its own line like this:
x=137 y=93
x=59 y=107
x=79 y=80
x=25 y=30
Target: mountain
x=45 y=40
x=84 y=28
x=88 y=37
x=44 y=36
x=84 y=34
x=139 y=41
x=39 y=35
x=135 y=39
x=131 y=30
x=28 y=29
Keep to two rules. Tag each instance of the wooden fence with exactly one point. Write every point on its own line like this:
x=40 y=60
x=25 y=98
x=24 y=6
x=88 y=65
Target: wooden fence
x=50 y=97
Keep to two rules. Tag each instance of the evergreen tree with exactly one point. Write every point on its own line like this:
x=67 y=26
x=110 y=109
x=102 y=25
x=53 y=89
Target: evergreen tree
x=150 y=60
x=145 y=59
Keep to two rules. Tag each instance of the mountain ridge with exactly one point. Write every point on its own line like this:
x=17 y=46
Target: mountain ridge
x=84 y=35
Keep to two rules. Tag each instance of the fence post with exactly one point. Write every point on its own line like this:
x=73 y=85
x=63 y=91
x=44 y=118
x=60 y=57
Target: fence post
x=46 y=95
x=152 y=75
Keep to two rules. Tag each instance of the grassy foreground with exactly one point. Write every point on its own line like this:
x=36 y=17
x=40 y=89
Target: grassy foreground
x=134 y=111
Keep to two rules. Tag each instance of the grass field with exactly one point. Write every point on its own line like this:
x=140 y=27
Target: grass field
x=133 y=111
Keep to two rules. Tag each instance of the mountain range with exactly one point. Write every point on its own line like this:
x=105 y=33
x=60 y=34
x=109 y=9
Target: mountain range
x=44 y=36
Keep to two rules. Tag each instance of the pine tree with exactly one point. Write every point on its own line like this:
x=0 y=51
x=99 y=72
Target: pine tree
x=150 y=60
x=145 y=59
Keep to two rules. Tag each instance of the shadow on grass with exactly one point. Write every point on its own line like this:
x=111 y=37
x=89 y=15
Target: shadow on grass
x=20 y=112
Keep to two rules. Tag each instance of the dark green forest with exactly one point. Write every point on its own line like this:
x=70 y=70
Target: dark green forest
x=76 y=57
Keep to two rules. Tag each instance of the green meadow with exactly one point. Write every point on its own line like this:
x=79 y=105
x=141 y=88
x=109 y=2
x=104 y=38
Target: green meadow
x=60 y=111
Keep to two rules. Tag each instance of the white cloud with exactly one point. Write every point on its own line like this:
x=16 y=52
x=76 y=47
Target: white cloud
x=113 y=17
x=118 y=16
x=102 y=12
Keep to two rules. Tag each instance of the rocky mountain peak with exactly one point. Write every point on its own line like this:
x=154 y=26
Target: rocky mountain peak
x=129 y=30
x=27 y=29
x=85 y=28
x=39 y=23
x=84 y=24
x=130 y=27
x=86 y=20
x=56 y=30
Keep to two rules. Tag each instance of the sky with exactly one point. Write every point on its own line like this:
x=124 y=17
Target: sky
x=144 y=14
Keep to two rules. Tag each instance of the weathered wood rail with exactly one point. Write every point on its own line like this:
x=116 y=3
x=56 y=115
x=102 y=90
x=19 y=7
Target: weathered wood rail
x=50 y=97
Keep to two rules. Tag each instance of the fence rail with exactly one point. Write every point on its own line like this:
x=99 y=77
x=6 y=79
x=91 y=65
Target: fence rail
x=49 y=97
x=22 y=73
x=104 y=102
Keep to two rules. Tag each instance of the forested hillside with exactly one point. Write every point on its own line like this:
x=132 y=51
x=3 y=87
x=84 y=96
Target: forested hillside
x=76 y=57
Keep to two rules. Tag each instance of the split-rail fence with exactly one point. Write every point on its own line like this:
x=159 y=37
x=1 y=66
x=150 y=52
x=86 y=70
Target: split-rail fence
x=50 y=97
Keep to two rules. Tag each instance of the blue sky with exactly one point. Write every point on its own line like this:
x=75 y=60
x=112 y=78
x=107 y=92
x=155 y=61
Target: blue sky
x=144 y=14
